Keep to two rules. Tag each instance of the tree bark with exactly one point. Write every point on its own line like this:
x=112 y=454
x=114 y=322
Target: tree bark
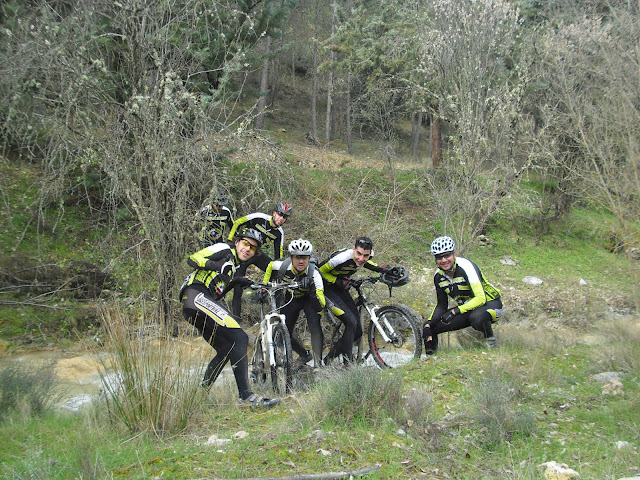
x=264 y=85
x=436 y=142
x=416 y=125
x=332 y=57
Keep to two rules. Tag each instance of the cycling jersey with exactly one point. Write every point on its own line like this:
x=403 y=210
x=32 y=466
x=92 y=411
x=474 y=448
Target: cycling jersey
x=215 y=223
x=214 y=267
x=271 y=234
x=341 y=265
x=466 y=286
x=289 y=275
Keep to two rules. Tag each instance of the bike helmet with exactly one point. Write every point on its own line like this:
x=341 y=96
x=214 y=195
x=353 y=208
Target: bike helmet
x=396 y=277
x=253 y=234
x=442 y=245
x=364 y=242
x=221 y=199
x=283 y=208
x=300 y=247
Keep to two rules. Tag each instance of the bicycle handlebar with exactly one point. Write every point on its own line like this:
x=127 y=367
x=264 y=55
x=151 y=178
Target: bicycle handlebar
x=275 y=286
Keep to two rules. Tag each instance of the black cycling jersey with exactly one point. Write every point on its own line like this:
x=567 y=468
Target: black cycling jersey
x=215 y=222
x=214 y=268
x=341 y=265
x=466 y=286
x=271 y=234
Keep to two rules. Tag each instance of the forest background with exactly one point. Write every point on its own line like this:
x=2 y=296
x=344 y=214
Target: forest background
x=511 y=126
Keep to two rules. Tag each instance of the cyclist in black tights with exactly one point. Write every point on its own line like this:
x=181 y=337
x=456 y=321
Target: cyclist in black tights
x=336 y=271
x=201 y=295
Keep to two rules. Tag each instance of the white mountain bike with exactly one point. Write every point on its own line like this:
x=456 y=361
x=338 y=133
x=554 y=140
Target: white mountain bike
x=393 y=331
x=272 y=356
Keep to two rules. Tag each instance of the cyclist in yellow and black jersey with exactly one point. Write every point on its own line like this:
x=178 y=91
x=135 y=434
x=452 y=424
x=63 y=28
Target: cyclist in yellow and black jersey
x=336 y=271
x=270 y=227
x=216 y=271
x=298 y=267
x=216 y=219
x=478 y=302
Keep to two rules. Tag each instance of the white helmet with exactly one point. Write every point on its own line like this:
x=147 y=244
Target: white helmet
x=300 y=247
x=442 y=245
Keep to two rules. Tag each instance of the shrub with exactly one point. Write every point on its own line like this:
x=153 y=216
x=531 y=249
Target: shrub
x=28 y=388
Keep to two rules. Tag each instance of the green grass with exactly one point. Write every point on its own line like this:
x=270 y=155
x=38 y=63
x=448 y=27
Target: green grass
x=464 y=413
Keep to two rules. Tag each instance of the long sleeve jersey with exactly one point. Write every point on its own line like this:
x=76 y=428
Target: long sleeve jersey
x=275 y=272
x=214 y=267
x=264 y=224
x=466 y=286
x=341 y=265
x=214 y=223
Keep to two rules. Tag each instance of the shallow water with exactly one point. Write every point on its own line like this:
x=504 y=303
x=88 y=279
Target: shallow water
x=81 y=375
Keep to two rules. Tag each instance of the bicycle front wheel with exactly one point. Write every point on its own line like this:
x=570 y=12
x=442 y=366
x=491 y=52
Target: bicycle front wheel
x=402 y=327
x=281 y=371
x=257 y=367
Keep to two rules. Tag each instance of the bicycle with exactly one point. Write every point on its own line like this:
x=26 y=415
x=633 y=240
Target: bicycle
x=272 y=356
x=394 y=331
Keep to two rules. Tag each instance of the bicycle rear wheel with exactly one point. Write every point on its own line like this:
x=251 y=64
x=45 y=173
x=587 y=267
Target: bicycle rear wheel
x=281 y=371
x=403 y=328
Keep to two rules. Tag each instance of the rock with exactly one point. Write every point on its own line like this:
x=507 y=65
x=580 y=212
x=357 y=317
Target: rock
x=532 y=280
x=614 y=387
x=606 y=377
x=483 y=240
x=621 y=444
x=240 y=435
x=583 y=282
x=557 y=471
x=506 y=260
x=214 y=440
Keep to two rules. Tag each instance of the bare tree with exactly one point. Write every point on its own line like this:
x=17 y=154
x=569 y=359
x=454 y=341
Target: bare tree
x=113 y=88
x=465 y=46
x=590 y=110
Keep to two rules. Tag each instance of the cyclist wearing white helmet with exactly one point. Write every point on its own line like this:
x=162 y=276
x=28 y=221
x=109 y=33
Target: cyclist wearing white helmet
x=270 y=226
x=299 y=267
x=478 y=302
x=216 y=219
x=336 y=271
x=215 y=271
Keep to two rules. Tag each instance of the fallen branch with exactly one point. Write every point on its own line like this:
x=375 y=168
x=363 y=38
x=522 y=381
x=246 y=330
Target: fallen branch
x=313 y=476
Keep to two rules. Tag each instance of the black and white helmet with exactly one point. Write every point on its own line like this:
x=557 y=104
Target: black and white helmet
x=300 y=247
x=253 y=234
x=442 y=245
x=283 y=208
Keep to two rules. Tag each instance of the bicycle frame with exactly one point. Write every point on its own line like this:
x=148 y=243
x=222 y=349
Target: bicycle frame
x=266 y=327
x=372 y=309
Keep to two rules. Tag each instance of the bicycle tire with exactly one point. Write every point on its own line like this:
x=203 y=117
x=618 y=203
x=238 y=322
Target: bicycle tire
x=333 y=331
x=258 y=370
x=408 y=339
x=281 y=371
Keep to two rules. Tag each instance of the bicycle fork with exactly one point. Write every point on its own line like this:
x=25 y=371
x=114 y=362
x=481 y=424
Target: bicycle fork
x=266 y=334
x=387 y=331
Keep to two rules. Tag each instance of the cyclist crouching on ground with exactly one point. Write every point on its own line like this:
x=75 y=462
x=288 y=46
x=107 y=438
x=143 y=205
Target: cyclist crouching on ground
x=478 y=302
x=310 y=297
x=336 y=271
x=201 y=295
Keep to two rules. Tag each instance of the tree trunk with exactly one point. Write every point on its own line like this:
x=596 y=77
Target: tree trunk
x=416 y=125
x=332 y=57
x=436 y=142
x=314 y=89
x=264 y=85
x=348 y=115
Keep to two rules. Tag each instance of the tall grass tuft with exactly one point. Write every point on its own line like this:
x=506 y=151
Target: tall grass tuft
x=30 y=389
x=357 y=393
x=622 y=348
x=153 y=389
x=494 y=408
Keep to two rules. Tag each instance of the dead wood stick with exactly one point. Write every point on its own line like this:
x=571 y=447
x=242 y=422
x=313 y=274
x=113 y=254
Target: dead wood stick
x=313 y=476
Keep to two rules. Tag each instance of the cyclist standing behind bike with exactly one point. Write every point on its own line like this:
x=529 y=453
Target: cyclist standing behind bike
x=478 y=302
x=310 y=297
x=336 y=271
x=270 y=227
x=216 y=219
x=201 y=294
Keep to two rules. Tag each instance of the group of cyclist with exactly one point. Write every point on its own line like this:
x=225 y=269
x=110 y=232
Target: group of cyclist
x=220 y=266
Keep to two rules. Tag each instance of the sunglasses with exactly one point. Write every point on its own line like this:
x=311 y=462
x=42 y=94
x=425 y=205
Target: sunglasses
x=444 y=255
x=301 y=257
x=249 y=245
